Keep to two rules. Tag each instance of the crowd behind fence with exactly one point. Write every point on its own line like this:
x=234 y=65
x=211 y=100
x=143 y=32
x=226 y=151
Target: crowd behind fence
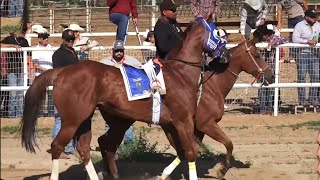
x=279 y=97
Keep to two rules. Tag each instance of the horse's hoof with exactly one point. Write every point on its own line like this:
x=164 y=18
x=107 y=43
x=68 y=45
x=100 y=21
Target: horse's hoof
x=162 y=177
x=221 y=171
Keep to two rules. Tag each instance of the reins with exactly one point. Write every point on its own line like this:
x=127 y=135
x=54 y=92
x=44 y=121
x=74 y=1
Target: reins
x=198 y=65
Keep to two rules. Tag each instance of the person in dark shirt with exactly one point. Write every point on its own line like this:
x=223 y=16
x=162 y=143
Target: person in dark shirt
x=119 y=11
x=167 y=31
x=15 y=70
x=62 y=57
x=65 y=55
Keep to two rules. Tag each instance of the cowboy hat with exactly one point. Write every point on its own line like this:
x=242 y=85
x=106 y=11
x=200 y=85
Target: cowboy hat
x=76 y=27
x=255 y=4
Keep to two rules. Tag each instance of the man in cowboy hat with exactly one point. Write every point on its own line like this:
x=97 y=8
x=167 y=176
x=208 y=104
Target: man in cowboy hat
x=84 y=43
x=167 y=32
x=253 y=14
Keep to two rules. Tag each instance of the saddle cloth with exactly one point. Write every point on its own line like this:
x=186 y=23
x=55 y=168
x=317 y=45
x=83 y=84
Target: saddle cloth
x=140 y=82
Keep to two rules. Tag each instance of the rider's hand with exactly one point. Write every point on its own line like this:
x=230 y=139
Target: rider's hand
x=135 y=21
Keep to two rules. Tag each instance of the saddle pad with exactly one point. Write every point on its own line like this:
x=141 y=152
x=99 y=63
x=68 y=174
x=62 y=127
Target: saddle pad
x=136 y=82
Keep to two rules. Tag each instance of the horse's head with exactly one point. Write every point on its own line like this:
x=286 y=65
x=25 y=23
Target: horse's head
x=197 y=39
x=246 y=57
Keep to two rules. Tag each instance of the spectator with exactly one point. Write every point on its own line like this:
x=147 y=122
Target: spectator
x=4 y=95
x=253 y=14
x=15 y=70
x=85 y=43
x=307 y=32
x=149 y=41
x=167 y=32
x=42 y=61
x=118 y=57
x=266 y=95
x=295 y=10
x=64 y=56
x=15 y=8
x=119 y=11
x=205 y=8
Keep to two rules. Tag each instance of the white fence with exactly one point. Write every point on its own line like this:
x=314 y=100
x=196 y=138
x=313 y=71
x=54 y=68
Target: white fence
x=243 y=97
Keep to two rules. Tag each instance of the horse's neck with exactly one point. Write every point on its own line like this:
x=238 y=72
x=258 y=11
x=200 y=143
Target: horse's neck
x=226 y=80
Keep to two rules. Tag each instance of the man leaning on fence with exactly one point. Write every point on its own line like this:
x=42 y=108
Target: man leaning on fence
x=119 y=14
x=307 y=32
x=85 y=43
x=118 y=57
x=63 y=57
x=167 y=32
x=15 y=69
x=253 y=14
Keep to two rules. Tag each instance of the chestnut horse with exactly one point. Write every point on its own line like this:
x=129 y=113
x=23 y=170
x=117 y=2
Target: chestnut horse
x=80 y=88
x=210 y=110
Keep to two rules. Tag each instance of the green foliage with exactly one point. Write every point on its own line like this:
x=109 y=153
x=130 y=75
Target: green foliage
x=206 y=153
x=16 y=129
x=9 y=29
x=10 y=129
x=141 y=150
x=310 y=125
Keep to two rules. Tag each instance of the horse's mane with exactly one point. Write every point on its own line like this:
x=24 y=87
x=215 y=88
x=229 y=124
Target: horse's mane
x=179 y=46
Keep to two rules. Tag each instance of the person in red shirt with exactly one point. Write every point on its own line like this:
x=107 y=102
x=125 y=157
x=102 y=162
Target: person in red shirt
x=119 y=11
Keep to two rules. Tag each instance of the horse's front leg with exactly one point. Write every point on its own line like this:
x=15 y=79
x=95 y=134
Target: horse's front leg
x=185 y=132
x=212 y=129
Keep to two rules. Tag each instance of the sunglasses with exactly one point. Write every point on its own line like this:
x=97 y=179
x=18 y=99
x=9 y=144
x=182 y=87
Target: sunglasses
x=68 y=40
x=119 y=50
x=173 y=10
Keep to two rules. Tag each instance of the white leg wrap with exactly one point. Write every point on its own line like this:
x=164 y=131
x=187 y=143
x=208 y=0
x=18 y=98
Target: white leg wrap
x=91 y=171
x=192 y=171
x=168 y=170
x=55 y=170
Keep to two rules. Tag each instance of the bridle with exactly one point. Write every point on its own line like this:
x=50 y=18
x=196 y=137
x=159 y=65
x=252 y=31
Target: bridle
x=260 y=70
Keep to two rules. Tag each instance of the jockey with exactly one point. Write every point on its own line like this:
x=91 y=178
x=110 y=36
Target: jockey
x=167 y=32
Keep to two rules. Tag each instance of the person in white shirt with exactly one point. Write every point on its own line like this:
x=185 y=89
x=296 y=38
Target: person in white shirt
x=149 y=41
x=42 y=61
x=84 y=43
x=307 y=32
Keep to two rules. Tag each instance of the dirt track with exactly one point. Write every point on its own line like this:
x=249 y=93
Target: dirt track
x=273 y=152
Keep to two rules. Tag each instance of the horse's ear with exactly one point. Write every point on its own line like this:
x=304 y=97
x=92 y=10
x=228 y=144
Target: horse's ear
x=210 y=20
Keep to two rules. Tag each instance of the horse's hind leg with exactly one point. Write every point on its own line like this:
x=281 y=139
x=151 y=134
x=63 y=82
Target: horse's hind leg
x=64 y=136
x=212 y=129
x=110 y=141
x=84 y=135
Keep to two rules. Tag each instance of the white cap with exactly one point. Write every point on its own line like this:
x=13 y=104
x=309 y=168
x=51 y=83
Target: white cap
x=76 y=27
x=255 y=4
x=38 y=28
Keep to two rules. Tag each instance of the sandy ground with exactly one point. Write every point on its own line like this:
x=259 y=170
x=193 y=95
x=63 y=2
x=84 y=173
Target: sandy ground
x=273 y=152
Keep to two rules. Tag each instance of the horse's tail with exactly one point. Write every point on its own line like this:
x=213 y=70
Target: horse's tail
x=32 y=103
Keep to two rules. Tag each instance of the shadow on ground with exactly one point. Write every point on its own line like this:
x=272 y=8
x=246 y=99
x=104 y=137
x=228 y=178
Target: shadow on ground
x=146 y=170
